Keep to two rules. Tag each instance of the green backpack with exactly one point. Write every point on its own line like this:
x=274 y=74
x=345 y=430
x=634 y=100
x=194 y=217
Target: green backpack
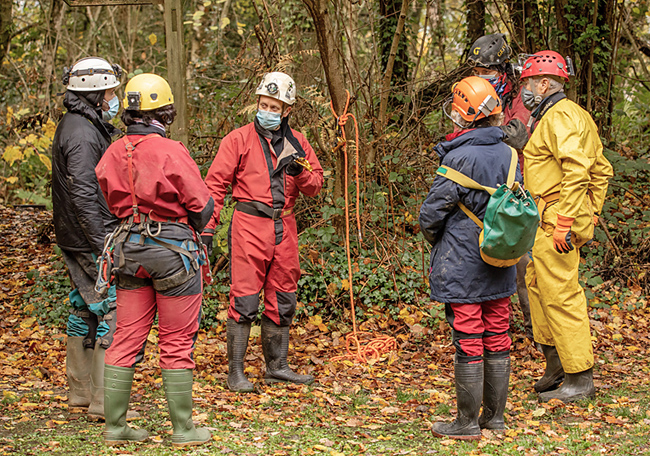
x=510 y=224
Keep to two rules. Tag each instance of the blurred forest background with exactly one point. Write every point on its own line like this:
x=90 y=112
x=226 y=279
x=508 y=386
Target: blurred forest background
x=398 y=60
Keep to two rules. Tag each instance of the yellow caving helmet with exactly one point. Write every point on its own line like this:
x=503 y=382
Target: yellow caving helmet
x=146 y=92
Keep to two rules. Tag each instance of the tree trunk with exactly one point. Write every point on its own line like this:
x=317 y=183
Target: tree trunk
x=5 y=26
x=524 y=15
x=475 y=22
x=50 y=44
x=330 y=54
x=388 y=28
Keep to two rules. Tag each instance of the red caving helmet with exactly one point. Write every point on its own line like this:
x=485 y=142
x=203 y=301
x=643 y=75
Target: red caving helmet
x=545 y=63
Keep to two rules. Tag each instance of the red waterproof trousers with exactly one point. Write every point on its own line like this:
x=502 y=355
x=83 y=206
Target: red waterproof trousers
x=479 y=326
x=178 y=324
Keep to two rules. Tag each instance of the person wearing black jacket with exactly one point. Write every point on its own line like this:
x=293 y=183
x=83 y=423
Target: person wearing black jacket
x=82 y=220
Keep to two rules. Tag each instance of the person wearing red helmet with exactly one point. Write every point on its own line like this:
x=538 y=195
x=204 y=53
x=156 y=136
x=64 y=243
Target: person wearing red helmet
x=268 y=165
x=490 y=60
x=476 y=294
x=566 y=171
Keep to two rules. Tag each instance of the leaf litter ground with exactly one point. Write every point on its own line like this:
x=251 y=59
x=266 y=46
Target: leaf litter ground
x=383 y=408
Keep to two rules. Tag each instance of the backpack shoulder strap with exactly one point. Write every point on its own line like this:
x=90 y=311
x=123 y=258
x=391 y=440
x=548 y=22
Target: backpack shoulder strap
x=512 y=172
x=471 y=215
x=462 y=180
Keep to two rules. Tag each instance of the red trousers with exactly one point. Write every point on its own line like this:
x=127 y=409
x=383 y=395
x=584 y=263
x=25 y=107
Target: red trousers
x=257 y=262
x=479 y=326
x=178 y=324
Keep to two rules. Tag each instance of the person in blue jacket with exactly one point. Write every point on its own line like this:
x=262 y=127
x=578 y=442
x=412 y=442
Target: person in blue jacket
x=476 y=295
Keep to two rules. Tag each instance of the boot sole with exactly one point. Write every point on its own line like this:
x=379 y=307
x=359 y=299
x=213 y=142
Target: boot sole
x=575 y=398
x=194 y=443
x=457 y=437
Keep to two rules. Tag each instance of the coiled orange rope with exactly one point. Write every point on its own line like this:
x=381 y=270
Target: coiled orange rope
x=378 y=345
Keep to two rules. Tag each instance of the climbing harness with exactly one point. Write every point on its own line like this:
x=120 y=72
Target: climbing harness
x=150 y=236
x=378 y=345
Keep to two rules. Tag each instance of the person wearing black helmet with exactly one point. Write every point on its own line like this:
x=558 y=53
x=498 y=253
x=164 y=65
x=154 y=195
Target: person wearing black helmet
x=490 y=57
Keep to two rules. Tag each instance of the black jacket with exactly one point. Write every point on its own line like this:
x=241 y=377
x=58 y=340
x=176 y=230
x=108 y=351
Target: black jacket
x=81 y=216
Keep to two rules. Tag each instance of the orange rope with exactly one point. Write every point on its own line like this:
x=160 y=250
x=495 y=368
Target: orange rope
x=382 y=344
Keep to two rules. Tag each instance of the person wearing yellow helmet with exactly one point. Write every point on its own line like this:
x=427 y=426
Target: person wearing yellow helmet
x=476 y=294
x=154 y=187
x=82 y=220
x=268 y=165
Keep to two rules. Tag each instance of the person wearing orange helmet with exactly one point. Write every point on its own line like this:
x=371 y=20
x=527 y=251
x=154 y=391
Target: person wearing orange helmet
x=476 y=294
x=566 y=171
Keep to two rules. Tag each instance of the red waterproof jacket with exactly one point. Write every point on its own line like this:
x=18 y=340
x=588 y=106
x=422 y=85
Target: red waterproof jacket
x=243 y=163
x=167 y=180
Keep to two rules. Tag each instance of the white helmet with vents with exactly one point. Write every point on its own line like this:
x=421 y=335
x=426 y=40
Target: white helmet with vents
x=279 y=86
x=91 y=74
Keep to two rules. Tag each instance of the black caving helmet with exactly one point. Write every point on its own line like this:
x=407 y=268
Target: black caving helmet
x=490 y=50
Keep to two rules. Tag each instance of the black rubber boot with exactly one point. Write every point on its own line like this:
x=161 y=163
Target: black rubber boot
x=178 y=391
x=495 y=389
x=575 y=387
x=554 y=373
x=237 y=340
x=469 y=395
x=275 y=346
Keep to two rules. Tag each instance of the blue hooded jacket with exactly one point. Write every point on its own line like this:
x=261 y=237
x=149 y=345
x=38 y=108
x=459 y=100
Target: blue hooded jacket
x=458 y=274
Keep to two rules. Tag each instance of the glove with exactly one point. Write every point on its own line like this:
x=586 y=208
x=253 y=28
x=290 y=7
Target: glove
x=516 y=134
x=294 y=169
x=595 y=220
x=207 y=241
x=562 y=234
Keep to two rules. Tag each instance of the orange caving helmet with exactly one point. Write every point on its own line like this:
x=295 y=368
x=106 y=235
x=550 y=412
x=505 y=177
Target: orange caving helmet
x=474 y=98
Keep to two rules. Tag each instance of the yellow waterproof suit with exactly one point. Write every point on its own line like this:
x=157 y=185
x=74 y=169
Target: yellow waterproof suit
x=565 y=170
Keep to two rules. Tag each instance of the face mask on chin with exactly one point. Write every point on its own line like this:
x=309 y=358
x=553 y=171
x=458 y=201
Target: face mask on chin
x=113 y=108
x=269 y=120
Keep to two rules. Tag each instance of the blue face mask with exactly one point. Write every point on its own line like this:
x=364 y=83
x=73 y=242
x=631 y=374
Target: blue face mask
x=113 y=108
x=269 y=120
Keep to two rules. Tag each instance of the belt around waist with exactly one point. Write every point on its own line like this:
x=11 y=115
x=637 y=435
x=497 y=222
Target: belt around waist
x=156 y=218
x=259 y=209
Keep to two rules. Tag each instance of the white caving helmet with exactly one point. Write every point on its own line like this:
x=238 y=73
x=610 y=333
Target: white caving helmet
x=279 y=86
x=91 y=74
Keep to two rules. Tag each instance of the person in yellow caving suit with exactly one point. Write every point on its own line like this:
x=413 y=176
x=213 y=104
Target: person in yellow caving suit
x=565 y=170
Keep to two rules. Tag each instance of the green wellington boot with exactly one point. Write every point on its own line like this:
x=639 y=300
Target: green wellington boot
x=178 y=390
x=469 y=395
x=78 y=362
x=117 y=392
x=96 y=407
x=553 y=374
x=495 y=389
x=275 y=346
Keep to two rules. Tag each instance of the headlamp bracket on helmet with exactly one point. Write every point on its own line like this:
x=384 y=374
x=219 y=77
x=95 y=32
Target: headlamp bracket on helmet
x=487 y=106
x=134 y=101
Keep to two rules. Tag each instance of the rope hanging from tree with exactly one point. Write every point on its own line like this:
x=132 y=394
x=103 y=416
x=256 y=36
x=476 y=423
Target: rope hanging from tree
x=377 y=346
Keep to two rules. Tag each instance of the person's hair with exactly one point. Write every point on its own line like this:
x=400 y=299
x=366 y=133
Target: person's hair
x=164 y=115
x=515 y=83
x=495 y=120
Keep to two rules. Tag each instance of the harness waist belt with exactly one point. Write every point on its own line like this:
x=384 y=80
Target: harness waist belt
x=260 y=209
x=156 y=218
